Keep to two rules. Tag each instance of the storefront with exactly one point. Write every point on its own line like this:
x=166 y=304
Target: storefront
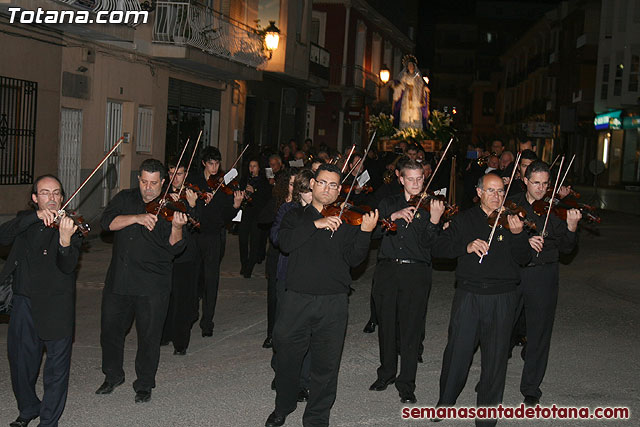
x=619 y=147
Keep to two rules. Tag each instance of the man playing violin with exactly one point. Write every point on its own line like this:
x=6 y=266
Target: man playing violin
x=183 y=301
x=402 y=281
x=219 y=209
x=539 y=278
x=312 y=314
x=138 y=281
x=485 y=300
x=42 y=264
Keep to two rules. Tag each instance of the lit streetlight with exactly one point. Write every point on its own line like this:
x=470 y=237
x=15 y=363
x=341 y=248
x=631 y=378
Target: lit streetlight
x=271 y=37
x=384 y=74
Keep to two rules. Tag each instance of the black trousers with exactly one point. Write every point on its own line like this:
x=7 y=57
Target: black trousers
x=305 y=371
x=318 y=324
x=400 y=294
x=118 y=312
x=183 y=305
x=539 y=289
x=25 y=348
x=373 y=317
x=249 y=239
x=211 y=248
x=271 y=270
x=486 y=320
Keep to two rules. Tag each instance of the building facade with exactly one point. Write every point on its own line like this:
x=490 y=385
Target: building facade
x=69 y=91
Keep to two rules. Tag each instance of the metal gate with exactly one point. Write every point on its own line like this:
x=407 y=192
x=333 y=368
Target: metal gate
x=18 y=103
x=70 y=150
x=111 y=168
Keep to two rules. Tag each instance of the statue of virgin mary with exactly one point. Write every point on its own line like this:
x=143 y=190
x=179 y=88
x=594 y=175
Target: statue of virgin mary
x=410 y=96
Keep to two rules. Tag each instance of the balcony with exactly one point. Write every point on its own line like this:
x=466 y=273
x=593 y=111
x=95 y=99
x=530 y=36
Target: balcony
x=319 y=64
x=184 y=24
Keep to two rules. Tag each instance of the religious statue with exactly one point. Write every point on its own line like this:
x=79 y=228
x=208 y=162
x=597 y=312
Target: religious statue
x=410 y=96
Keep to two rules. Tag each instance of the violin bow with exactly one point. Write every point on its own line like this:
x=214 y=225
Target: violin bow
x=195 y=148
x=75 y=193
x=554 y=162
x=232 y=166
x=424 y=192
x=173 y=175
x=567 y=171
x=344 y=204
x=346 y=162
x=504 y=199
x=553 y=195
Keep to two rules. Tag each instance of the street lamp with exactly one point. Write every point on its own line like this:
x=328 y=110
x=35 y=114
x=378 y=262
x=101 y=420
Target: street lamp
x=384 y=74
x=271 y=37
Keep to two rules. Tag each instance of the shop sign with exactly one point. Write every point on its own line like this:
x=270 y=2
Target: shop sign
x=611 y=120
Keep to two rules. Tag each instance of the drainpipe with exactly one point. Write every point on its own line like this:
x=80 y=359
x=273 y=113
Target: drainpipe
x=343 y=79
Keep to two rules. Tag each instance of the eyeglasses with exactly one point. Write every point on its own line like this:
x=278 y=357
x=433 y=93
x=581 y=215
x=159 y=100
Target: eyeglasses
x=47 y=193
x=332 y=185
x=493 y=191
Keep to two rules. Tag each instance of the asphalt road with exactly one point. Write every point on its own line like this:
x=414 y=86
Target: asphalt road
x=224 y=380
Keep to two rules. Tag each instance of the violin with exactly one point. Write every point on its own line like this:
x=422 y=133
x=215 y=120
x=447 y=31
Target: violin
x=449 y=209
x=511 y=208
x=165 y=208
x=561 y=206
x=366 y=189
x=571 y=193
x=78 y=220
x=352 y=215
x=216 y=182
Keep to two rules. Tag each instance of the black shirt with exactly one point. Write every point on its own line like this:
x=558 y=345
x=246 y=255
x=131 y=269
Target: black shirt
x=218 y=211
x=413 y=242
x=141 y=260
x=558 y=239
x=499 y=267
x=318 y=263
x=189 y=233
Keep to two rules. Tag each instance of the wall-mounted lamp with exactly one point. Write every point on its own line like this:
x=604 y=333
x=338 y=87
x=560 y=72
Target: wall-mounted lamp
x=385 y=74
x=271 y=37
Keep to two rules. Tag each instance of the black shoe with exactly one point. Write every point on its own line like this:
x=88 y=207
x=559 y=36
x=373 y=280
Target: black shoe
x=369 y=328
x=207 y=333
x=407 y=397
x=303 y=395
x=380 y=385
x=268 y=343
x=531 y=401
x=143 y=396
x=22 y=422
x=107 y=387
x=180 y=352
x=274 y=420
x=420 y=359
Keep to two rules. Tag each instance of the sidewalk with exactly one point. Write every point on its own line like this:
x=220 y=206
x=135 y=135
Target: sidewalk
x=224 y=380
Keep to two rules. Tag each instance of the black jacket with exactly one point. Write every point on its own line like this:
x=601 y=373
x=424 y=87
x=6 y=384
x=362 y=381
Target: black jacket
x=43 y=271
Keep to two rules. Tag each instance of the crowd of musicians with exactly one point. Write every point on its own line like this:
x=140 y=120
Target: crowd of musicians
x=165 y=270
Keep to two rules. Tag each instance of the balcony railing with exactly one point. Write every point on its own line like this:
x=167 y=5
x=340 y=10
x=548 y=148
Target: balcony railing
x=186 y=23
x=319 y=61
x=107 y=6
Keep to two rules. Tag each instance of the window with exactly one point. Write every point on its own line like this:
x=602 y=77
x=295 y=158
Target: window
x=634 y=70
x=617 y=83
x=604 y=90
x=144 y=138
x=18 y=104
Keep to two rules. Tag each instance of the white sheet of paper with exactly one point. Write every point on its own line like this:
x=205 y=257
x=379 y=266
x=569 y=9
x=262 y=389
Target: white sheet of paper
x=441 y=192
x=269 y=173
x=296 y=163
x=238 y=217
x=363 y=178
x=228 y=177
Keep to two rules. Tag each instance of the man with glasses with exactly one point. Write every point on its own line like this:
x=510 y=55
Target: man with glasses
x=138 y=281
x=539 y=278
x=485 y=300
x=402 y=281
x=42 y=265
x=312 y=315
